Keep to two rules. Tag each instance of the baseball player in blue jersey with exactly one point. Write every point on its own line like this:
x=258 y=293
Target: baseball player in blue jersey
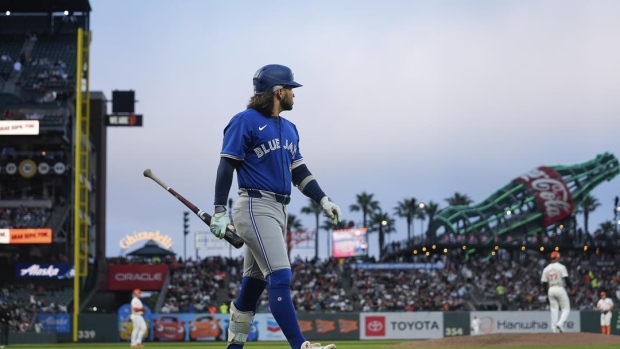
x=263 y=148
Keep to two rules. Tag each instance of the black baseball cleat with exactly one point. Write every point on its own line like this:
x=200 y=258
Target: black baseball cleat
x=560 y=328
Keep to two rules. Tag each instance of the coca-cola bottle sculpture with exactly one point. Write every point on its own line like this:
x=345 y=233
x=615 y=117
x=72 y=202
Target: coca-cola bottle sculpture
x=541 y=199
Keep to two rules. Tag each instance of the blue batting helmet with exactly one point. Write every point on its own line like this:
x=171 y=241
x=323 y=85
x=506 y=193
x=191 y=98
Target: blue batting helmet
x=273 y=75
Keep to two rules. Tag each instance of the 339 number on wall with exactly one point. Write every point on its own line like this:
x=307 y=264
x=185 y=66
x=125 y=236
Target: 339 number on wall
x=87 y=334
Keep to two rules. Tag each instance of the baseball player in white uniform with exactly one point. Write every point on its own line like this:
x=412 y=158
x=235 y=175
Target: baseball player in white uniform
x=137 y=319
x=554 y=280
x=475 y=326
x=605 y=305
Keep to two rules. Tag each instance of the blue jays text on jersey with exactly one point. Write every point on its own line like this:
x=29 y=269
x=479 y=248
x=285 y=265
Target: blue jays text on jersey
x=274 y=144
x=268 y=147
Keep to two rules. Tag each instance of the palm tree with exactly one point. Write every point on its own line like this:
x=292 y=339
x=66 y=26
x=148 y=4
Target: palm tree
x=366 y=204
x=328 y=225
x=431 y=210
x=589 y=205
x=459 y=199
x=607 y=227
x=407 y=209
x=376 y=222
x=292 y=223
x=315 y=209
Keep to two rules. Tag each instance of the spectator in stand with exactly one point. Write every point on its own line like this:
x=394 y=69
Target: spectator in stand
x=5 y=318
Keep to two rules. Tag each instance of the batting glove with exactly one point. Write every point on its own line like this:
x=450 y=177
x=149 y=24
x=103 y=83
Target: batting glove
x=219 y=222
x=331 y=210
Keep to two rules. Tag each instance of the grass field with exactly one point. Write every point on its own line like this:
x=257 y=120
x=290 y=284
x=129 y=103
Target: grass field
x=278 y=345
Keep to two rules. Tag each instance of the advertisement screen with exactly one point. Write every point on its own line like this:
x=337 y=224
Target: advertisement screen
x=19 y=127
x=350 y=242
x=26 y=236
x=147 y=277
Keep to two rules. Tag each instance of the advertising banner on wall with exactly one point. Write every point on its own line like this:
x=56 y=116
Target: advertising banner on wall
x=19 y=127
x=44 y=271
x=190 y=327
x=522 y=321
x=214 y=327
x=32 y=236
x=409 y=325
x=147 y=277
x=329 y=326
x=58 y=323
x=125 y=325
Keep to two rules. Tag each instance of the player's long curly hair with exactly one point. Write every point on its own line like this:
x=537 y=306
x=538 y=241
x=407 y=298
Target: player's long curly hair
x=262 y=102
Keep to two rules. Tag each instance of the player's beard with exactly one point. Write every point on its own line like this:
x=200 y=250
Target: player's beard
x=286 y=104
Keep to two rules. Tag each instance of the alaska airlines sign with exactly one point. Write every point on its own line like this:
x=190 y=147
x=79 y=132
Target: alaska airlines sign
x=162 y=239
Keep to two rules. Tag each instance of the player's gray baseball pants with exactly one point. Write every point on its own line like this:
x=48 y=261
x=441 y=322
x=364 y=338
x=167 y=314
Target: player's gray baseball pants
x=260 y=220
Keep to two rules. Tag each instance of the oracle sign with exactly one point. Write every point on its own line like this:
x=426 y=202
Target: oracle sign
x=143 y=276
x=553 y=196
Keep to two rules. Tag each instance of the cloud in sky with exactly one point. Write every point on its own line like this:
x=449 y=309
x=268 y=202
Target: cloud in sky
x=400 y=98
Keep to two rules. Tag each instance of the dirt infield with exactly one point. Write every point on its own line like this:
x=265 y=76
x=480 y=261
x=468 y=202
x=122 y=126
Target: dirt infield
x=516 y=340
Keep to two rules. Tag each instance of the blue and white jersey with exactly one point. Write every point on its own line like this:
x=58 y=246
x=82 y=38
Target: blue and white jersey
x=268 y=147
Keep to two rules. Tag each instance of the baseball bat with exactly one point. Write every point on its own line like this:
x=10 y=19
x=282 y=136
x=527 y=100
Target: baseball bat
x=230 y=235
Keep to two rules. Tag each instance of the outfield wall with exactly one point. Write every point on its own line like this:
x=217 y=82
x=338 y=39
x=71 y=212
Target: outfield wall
x=324 y=326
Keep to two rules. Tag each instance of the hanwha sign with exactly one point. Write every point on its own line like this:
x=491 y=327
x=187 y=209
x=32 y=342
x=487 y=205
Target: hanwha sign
x=492 y=322
x=487 y=324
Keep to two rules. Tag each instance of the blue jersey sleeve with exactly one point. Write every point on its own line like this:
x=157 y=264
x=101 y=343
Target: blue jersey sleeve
x=236 y=135
x=298 y=159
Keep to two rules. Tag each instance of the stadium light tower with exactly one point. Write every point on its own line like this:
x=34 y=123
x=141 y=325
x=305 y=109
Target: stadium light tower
x=382 y=224
x=617 y=217
x=421 y=207
x=185 y=232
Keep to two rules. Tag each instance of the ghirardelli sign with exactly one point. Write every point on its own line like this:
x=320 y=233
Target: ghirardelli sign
x=162 y=239
x=552 y=194
x=148 y=277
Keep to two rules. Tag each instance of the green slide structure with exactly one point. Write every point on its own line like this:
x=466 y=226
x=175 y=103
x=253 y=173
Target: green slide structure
x=542 y=199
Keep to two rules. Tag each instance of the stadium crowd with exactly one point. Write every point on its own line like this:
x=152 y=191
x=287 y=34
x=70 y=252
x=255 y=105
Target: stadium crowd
x=337 y=285
x=28 y=300
x=24 y=217
x=517 y=280
x=332 y=285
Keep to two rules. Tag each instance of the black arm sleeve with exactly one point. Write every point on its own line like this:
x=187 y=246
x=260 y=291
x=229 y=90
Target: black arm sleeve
x=544 y=287
x=567 y=282
x=305 y=182
x=224 y=178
